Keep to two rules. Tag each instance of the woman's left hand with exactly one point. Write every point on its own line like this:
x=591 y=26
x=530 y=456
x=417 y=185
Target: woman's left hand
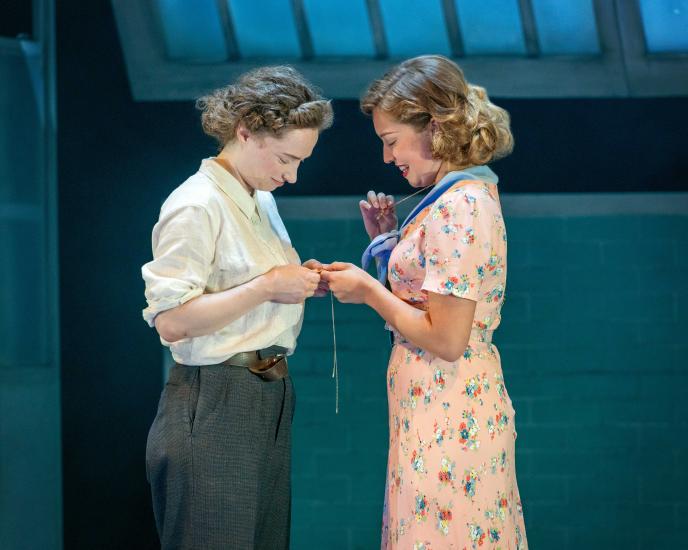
x=349 y=283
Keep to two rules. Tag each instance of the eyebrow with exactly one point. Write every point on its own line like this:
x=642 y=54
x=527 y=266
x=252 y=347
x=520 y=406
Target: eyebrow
x=387 y=133
x=293 y=156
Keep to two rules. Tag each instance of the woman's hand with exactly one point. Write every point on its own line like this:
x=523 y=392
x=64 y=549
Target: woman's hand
x=323 y=287
x=349 y=283
x=379 y=214
x=291 y=284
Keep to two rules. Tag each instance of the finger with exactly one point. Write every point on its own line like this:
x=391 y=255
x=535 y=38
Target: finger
x=364 y=205
x=382 y=200
x=338 y=266
x=372 y=199
x=308 y=274
x=390 y=201
x=331 y=278
x=312 y=264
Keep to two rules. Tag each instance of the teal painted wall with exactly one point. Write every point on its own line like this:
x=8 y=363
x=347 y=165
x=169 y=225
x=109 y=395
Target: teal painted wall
x=30 y=446
x=593 y=346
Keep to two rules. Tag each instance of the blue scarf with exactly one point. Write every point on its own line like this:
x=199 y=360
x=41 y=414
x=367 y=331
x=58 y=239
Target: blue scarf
x=381 y=246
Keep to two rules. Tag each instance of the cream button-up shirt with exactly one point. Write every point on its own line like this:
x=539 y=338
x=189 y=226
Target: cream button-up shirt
x=213 y=235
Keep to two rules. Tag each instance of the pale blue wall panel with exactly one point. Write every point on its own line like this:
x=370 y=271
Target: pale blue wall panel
x=23 y=270
x=30 y=447
x=192 y=30
x=19 y=127
x=666 y=25
x=30 y=472
x=490 y=28
x=414 y=27
x=23 y=286
x=339 y=27
x=265 y=28
x=566 y=27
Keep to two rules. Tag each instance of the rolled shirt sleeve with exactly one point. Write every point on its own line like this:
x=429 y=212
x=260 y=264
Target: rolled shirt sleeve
x=183 y=250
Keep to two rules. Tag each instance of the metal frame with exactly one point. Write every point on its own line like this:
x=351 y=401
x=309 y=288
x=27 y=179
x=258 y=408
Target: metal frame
x=451 y=19
x=302 y=29
x=529 y=27
x=378 y=29
x=623 y=69
x=228 y=30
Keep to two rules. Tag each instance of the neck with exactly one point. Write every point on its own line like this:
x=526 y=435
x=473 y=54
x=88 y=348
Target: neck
x=445 y=168
x=227 y=159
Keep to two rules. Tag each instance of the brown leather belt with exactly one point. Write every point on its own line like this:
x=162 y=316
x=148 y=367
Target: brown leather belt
x=269 y=363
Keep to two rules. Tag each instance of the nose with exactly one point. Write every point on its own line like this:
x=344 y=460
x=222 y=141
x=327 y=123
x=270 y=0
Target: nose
x=290 y=175
x=387 y=155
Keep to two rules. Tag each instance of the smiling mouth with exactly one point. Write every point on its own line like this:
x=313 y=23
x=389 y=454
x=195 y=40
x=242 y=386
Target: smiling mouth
x=404 y=170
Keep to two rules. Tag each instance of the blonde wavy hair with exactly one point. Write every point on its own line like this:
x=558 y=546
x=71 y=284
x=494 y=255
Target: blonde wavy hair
x=269 y=100
x=471 y=130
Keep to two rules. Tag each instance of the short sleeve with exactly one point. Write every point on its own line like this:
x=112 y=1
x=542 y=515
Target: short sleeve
x=183 y=250
x=456 y=245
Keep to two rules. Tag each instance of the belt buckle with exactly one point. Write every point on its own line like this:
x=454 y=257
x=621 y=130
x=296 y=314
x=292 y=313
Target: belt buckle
x=271 y=364
x=271 y=369
x=272 y=351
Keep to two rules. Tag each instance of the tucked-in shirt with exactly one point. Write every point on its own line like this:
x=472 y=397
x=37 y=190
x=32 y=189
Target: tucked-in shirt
x=212 y=235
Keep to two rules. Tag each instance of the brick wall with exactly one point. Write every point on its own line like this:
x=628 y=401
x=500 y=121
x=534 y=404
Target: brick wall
x=593 y=346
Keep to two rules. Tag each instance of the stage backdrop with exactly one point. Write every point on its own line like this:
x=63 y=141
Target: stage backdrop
x=592 y=342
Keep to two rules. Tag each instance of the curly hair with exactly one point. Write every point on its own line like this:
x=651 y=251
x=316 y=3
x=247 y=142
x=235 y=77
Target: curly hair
x=269 y=100
x=471 y=130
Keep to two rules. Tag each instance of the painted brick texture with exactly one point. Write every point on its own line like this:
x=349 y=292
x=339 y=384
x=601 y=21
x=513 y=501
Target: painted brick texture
x=593 y=344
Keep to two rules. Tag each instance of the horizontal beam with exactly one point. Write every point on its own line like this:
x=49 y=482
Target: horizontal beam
x=503 y=77
x=521 y=205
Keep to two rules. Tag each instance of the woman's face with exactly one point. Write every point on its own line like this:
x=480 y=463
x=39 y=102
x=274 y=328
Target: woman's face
x=267 y=162
x=409 y=149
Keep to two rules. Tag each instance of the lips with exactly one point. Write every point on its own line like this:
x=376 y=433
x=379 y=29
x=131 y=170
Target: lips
x=404 y=169
x=279 y=183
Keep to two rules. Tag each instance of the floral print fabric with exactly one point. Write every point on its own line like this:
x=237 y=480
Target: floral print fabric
x=451 y=481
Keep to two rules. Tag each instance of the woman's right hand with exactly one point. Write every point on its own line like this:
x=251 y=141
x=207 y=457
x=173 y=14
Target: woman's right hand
x=379 y=214
x=291 y=283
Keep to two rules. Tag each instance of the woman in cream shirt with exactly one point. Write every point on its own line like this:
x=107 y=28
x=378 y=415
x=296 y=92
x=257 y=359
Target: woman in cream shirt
x=225 y=291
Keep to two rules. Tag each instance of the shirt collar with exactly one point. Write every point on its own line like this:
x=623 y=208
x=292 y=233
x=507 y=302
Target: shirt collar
x=230 y=186
x=482 y=173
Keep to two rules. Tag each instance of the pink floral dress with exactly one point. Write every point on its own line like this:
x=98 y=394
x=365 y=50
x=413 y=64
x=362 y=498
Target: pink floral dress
x=451 y=480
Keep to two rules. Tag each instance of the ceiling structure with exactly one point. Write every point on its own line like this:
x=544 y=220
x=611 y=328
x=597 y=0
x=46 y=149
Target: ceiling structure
x=179 y=49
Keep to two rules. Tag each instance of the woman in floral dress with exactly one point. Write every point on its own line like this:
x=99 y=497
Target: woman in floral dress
x=451 y=480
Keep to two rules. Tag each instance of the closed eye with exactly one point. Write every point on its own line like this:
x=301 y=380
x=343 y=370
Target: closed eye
x=290 y=159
